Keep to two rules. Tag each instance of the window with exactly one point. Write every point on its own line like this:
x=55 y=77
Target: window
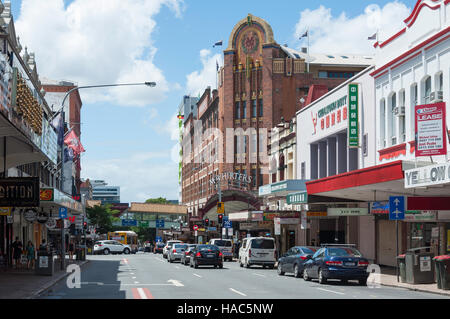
x=427 y=90
x=253 y=174
x=303 y=171
x=393 y=120
x=244 y=109
x=238 y=111
x=323 y=74
x=402 y=122
x=383 y=123
x=261 y=108
x=254 y=108
x=364 y=145
x=263 y=244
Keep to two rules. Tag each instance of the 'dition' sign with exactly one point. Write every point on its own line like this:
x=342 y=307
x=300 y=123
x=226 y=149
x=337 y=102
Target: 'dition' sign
x=19 y=192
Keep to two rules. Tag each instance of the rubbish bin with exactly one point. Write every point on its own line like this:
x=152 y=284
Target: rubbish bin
x=402 y=267
x=419 y=266
x=44 y=263
x=443 y=271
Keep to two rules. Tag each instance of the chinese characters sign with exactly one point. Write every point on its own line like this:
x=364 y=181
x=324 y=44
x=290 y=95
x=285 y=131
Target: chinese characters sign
x=331 y=115
x=353 y=130
x=430 y=130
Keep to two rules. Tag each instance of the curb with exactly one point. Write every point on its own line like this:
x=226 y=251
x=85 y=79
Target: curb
x=418 y=289
x=52 y=283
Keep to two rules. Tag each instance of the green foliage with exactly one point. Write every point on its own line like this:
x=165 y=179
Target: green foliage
x=102 y=217
x=159 y=200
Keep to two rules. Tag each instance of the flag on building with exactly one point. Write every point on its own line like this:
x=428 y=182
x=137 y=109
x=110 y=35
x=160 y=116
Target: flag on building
x=180 y=117
x=219 y=43
x=73 y=142
x=374 y=37
x=304 y=35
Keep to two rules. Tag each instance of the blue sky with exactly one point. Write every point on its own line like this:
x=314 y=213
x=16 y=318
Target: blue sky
x=127 y=132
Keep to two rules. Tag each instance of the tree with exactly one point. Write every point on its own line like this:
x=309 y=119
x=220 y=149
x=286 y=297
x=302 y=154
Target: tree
x=102 y=217
x=159 y=200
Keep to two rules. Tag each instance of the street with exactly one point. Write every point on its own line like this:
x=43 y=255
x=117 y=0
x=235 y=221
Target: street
x=149 y=276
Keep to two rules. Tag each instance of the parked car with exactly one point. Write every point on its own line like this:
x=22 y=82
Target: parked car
x=185 y=259
x=169 y=246
x=176 y=252
x=107 y=247
x=294 y=260
x=204 y=255
x=225 y=246
x=258 y=251
x=342 y=262
x=159 y=247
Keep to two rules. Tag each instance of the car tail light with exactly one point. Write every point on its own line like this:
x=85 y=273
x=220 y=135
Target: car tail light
x=363 y=263
x=303 y=257
x=186 y=253
x=220 y=254
x=174 y=251
x=249 y=253
x=334 y=263
x=198 y=254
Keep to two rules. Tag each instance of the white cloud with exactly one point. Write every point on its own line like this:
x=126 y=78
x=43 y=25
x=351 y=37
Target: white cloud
x=140 y=177
x=97 y=42
x=198 y=81
x=330 y=34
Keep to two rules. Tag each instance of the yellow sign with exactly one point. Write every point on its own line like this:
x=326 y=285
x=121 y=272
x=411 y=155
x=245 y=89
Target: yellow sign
x=448 y=240
x=5 y=211
x=317 y=214
x=220 y=208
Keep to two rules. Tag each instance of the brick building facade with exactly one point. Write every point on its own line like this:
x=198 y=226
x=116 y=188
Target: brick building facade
x=260 y=84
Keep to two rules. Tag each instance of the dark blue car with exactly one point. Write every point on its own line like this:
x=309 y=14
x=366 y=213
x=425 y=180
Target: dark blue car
x=293 y=261
x=341 y=262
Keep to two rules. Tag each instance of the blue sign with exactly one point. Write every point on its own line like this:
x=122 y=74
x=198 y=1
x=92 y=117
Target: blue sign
x=160 y=223
x=396 y=208
x=227 y=223
x=129 y=222
x=212 y=228
x=63 y=212
x=158 y=239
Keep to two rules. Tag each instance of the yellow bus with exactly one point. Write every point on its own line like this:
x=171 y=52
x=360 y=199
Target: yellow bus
x=125 y=237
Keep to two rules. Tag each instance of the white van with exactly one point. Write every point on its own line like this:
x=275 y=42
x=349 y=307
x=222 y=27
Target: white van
x=225 y=246
x=258 y=251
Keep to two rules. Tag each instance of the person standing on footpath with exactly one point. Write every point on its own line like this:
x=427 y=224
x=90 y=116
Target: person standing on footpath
x=71 y=249
x=30 y=255
x=17 y=251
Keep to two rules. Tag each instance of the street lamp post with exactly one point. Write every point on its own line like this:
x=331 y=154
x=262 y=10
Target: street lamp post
x=63 y=235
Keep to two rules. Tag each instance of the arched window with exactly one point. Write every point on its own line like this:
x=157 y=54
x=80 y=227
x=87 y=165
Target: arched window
x=383 y=123
x=393 y=119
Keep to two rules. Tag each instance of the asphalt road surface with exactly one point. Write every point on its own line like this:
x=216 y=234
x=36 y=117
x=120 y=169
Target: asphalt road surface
x=149 y=276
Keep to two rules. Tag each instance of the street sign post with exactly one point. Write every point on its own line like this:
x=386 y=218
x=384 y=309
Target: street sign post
x=397 y=212
x=63 y=212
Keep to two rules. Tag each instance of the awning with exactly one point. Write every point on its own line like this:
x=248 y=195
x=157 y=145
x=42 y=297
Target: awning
x=376 y=183
x=52 y=198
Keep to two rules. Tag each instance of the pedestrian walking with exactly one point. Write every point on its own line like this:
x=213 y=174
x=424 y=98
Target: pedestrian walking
x=17 y=251
x=30 y=255
x=71 y=249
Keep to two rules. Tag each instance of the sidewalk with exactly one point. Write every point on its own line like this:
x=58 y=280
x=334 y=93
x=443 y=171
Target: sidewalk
x=389 y=278
x=25 y=284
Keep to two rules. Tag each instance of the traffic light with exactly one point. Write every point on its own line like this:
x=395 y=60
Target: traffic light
x=220 y=208
x=207 y=222
x=85 y=225
x=220 y=217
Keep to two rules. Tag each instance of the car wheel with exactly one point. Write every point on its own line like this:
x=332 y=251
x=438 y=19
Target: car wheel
x=271 y=266
x=106 y=251
x=247 y=265
x=240 y=263
x=215 y=266
x=195 y=265
x=305 y=275
x=126 y=251
x=363 y=282
x=221 y=266
x=280 y=272
x=297 y=273
x=322 y=279
x=344 y=281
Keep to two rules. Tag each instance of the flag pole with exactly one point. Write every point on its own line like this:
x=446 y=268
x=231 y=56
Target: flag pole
x=308 y=51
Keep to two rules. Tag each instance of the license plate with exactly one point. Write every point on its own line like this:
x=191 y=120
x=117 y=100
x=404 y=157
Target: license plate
x=349 y=264
x=210 y=256
x=262 y=254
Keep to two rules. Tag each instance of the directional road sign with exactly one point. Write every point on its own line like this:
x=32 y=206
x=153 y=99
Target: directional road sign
x=63 y=212
x=226 y=222
x=158 y=239
x=160 y=223
x=396 y=208
x=129 y=222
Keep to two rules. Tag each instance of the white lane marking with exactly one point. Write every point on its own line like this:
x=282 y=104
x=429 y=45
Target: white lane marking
x=175 y=283
x=142 y=293
x=132 y=273
x=259 y=275
x=133 y=277
x=177 y=267
x=238 y=292
x=197 y=275
x=335 y=292
x=103 y=284
x=136 y=282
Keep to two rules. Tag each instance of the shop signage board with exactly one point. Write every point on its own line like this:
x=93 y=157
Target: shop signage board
x=19 y=192
x=265 y=225
x=248 y=225
x=5 y=211
x=430 y=130
x=428 y=176
x=277 y=226
x=379 y=208
x=304 y=221
x=316 y=214
x=297 y=198
x=348 y=211
x=331 y=116
x=420 y=216
x=396 y=208
x=353 y=116
x=257 y=216
x=448 y=240
x=30 y=215
x=289 y=221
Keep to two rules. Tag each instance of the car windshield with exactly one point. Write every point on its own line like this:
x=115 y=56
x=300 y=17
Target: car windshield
x=343 y=252
x=160 y=244
x=263 y=244
x=207 y=247
x=308 y=250
x=192 y=247
x=180 y=246
x=223 y=243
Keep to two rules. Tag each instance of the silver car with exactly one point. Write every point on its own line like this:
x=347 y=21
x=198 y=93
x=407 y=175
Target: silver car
x=176 y=252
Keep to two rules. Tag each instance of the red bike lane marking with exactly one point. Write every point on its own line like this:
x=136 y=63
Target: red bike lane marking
x=142 y=293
